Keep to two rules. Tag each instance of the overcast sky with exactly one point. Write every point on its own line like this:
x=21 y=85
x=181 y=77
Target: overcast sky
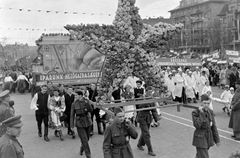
x=88 y=11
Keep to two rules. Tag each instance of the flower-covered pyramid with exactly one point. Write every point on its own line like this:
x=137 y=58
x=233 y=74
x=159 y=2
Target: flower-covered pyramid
x=128 y=45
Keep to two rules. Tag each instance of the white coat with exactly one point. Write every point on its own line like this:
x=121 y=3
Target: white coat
x=170 y=86
x=190 y=86
x=197 y=75
x=180 y=83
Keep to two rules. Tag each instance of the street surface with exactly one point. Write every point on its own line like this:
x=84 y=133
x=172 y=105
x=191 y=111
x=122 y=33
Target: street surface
x=173 y=139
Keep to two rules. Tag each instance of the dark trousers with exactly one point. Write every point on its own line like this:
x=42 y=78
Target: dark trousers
x=42 y=118
x=202 y=153
x=97 y=116
x=236 y=133
x=182 y=99
x=68 y=120
x=145 y=137
x=84 y=134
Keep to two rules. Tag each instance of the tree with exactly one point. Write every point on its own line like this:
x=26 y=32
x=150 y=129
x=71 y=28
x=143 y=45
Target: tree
x=2 y=49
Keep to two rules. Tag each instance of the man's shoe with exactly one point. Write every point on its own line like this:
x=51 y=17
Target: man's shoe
x=151 y=153
x=233 y=136
x=229 y=114
x=56 y=133
x=91 y=134
x=224 y=109
x=70 y=132
x=140 y=147
x=46 y=138
x=40 y=134
x=238 y=139
x=81 y=151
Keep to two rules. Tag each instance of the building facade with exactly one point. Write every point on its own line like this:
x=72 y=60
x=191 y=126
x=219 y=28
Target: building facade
x=230 y=25
x=201 y=32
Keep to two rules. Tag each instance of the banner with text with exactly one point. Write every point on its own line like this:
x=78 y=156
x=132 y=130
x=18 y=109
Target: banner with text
x=232 y=56
x=178 y=62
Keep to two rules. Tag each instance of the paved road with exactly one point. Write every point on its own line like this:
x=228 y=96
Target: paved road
x=172 y=139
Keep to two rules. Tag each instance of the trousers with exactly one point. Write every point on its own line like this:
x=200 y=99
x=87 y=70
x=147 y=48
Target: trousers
x=202 y=153
x=84 y=134
x=42 y=118
x=145 y=138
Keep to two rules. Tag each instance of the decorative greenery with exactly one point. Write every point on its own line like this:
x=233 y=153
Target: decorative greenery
x=129 y=45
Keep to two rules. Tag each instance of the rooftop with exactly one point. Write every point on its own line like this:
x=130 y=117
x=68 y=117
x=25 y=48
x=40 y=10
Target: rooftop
x=224 y=10
x=194 y=4
x=153 y=21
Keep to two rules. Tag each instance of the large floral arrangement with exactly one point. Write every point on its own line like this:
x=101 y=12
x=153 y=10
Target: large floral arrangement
x=128 y=45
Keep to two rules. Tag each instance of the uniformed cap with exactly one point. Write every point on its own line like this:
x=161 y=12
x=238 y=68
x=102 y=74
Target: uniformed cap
x=231 y=89
x=117 y=110
x=205 y=97
x=13 y=121
x=4 y=93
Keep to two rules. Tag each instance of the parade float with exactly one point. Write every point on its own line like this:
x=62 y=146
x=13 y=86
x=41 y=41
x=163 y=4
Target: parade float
x=106 y=53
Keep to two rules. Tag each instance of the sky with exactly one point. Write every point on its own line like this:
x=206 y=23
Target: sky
x=33 y=22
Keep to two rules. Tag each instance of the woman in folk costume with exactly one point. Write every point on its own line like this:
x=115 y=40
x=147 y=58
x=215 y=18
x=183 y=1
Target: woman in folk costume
x=127 y=94
x=57 y=107
x=169 y=82
x=21 y=82
x=8 y=81
x=207 y=89
x=190 y=87
x=202 y=83
x=180 y=82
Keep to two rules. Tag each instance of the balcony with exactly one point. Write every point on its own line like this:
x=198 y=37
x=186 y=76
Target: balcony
x=197 y=20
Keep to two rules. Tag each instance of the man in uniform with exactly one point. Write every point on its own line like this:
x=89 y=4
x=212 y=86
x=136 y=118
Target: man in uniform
x=144 y=118
x=234 y=122
x=81 y=115
x=9 y=145
x=40 y=103
x=206 y=133
x=5 y=110
x=117 y=137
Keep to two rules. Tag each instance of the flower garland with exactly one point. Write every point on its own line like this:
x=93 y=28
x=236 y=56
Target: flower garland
x=129 y=45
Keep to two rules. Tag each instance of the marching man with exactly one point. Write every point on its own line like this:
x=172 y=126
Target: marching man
x=190 y=88
x=180 y=83
x=196 y=74
x=170 y=85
